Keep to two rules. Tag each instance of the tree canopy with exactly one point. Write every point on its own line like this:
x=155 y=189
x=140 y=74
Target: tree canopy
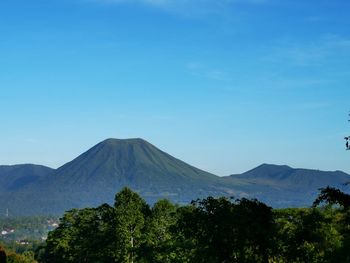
x=210 y=230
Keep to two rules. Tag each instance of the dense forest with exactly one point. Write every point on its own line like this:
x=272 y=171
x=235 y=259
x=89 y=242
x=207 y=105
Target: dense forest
x=211 y=230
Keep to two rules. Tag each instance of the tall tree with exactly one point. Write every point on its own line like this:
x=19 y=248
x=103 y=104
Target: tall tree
x=159 y=246
x=130 y=213
x=253 y=221
x=225 y=231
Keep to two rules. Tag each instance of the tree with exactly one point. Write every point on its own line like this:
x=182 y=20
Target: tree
x=332 y=196
x=305 y=235
x=159 y=237
x=254 y=230
x=82 y=236
x=223 y=231
x=130 y=213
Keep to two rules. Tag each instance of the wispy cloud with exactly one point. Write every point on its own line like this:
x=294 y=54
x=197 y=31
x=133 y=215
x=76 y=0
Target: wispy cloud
x=304 y=53
x=184 y=2
x=201 y=70
x=314 y=105
x=186 y=7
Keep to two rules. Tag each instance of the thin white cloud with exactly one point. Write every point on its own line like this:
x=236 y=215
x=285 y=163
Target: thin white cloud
x=217 y=74
x=199 y=69
x=194 y=66
x=186 y=7
x=184 y=2
x=314 y=105
x=304 y=53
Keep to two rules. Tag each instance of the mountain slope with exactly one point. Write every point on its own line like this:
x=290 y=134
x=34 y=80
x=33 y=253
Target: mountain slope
x=282 y=175
x=95 y=176
x=129 y=162
x=14 y=177
x=283 y=186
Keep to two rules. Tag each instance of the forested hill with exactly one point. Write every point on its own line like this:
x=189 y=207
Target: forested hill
x=285 y=175
x=283 y=186
x=13 y=177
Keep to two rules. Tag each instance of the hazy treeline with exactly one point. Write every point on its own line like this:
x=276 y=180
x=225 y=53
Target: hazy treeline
x=209 y=230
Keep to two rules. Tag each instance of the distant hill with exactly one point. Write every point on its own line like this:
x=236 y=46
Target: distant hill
x=97 y=175
x=281 y=185
x=14 y=177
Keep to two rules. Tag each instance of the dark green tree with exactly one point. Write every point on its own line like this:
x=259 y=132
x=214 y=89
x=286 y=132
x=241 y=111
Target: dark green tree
x=331 y=195
x=223 y=231
x=305 y=235
x=82 y=236
x=130 y=215
x=254 y=230
x=159 y=243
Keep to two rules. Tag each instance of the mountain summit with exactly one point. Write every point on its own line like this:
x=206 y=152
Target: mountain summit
x=98 y=174
x=284 y=186
x=132 y=162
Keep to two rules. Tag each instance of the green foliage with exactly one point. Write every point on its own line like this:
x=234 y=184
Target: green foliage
x=82 y=236
x=9 y=256
x=305 y=235
x=225 y=231
x=211 y=230
x=130 y=211
x=26 y=257
x=159 y=234
x=332 y=195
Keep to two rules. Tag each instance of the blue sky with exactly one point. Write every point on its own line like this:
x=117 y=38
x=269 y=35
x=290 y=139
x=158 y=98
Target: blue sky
x=224 y=85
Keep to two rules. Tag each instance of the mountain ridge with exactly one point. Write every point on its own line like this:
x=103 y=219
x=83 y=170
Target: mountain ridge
x=282 y=185
x=97 y=174
x=287 y=174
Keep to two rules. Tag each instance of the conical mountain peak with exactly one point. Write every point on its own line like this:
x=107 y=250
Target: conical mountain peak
x=115 y=142
x=113 y=163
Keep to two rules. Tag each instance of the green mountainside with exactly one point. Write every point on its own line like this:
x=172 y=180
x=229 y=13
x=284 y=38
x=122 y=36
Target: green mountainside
x=284 y=175
x=13 y=177
x=283 y=186
x=95 y=176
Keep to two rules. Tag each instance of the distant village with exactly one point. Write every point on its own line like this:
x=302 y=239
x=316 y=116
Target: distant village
x=23 y=232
